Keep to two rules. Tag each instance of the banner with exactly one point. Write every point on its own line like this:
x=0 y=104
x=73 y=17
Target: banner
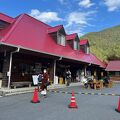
x=35 y=79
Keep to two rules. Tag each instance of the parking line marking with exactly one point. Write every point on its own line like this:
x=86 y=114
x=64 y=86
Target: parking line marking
x=84 y=93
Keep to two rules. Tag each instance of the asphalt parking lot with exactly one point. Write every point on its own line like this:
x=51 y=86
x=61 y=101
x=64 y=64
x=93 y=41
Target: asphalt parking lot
x=55 y=106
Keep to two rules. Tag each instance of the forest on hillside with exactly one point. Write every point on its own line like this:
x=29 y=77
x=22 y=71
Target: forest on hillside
x=105 y=44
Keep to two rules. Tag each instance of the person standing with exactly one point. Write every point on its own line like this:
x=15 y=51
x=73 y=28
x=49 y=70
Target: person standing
x=68 y=77
x=40 y=77
x=44 y=83
x=106 y=79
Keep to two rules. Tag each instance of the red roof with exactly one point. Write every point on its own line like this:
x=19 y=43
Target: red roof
x=83 y=42
x=71 y=36
x=113 y=65
x=93 y=60
x=29 y=33
x=6 y=18
x=55 y=29
x=97 y=61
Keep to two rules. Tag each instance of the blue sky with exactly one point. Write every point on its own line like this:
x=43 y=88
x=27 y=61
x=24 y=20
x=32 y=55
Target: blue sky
x=79 y=16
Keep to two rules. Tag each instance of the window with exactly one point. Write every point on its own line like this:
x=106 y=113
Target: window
x=117 y=73
x=26 y=68
x=85 y=48
x=88 y=50
x=75 y=45
x=61 y=39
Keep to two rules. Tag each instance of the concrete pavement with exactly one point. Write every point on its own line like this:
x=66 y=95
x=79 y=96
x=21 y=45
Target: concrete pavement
x=55 y=106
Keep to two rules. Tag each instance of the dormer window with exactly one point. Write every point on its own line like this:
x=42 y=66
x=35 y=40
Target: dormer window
x=73 y=41
x=84 y=45
x=85 y=49
x=58 y=34
x=3 y=24
x=75 y=45
x=88 y=50
x=5 y=21
x=61 y=39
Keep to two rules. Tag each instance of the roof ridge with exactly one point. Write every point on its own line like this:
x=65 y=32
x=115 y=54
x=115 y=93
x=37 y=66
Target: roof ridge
x=51 y=28
x=11 y=18
x=72 y=34
x=12 y=28
x=6 y=15
x=84 y=39
x=55 y=26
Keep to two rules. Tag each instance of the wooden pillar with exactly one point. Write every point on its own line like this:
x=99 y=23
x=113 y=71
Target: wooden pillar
x=9 y=72
x=85 y=71
x=54 y=72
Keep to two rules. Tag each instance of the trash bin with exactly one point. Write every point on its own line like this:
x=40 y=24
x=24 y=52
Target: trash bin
x=60 y=80
x=56 y=80
x=0 y=83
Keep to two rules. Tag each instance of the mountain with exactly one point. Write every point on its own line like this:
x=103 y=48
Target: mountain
x=105 y=44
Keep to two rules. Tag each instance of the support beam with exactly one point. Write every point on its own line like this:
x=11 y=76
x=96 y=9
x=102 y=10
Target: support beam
x=85 y=71
x=54 y=82
x=10 y=66
x=9 y=72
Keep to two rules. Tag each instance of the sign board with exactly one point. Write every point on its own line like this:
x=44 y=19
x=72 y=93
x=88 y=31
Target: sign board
x=35 y=79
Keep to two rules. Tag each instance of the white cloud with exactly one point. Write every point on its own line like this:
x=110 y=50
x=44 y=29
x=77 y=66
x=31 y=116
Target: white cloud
x=80 y=18
x=45 y=16
x=86 y=3
x=75 y=29
x=77 y=21
x=77 y=18
x=112 y=4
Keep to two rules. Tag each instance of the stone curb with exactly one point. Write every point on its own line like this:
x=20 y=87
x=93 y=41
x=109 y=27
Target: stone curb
x=23 y=91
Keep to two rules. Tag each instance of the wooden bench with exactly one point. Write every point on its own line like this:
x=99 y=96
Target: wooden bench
x=20 y=84
x=99 y=84
x=96 y=84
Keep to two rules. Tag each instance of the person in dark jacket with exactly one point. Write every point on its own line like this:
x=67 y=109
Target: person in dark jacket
x=106 y=79
x=40 y=77
x=44 y=83
x=68 y=77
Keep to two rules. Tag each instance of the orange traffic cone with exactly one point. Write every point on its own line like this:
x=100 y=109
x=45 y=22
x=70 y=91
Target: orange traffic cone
x=72 y=103
x=118 y=109
x=35 y=96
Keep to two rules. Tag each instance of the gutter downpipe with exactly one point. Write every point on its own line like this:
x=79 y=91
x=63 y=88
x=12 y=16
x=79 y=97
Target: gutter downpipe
x=10 y=66
x=55 y=68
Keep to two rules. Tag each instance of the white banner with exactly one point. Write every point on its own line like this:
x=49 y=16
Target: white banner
x=35 y=79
